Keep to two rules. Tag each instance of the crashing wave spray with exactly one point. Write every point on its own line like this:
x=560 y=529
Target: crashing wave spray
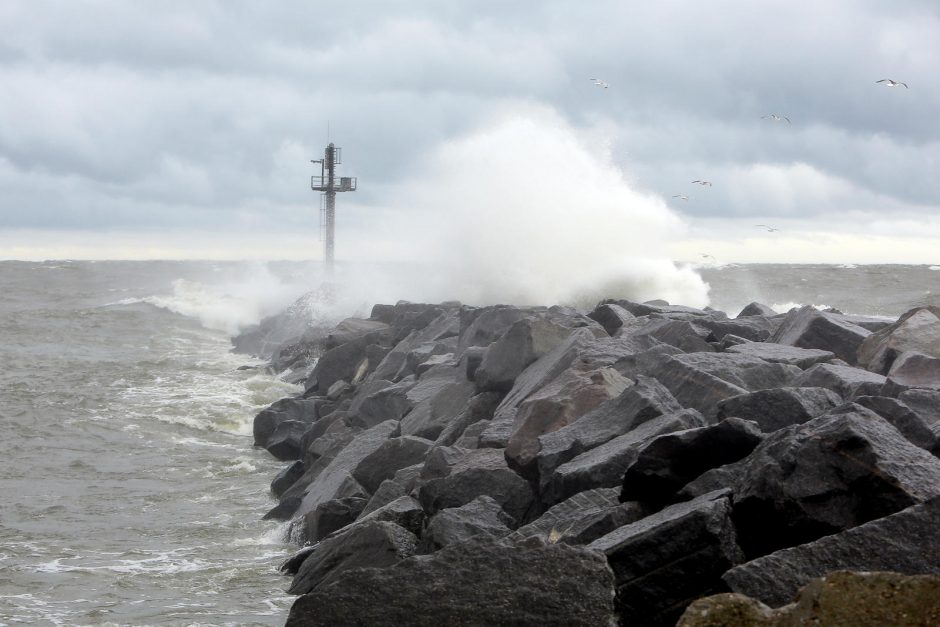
x=524 y=212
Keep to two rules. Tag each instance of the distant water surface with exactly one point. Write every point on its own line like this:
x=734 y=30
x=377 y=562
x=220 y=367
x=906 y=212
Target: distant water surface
x=131 y=492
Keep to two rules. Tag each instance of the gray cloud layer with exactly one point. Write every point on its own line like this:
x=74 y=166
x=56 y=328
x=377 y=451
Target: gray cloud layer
x=183 y=114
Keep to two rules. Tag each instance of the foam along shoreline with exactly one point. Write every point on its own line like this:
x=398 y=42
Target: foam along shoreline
x=552 y=466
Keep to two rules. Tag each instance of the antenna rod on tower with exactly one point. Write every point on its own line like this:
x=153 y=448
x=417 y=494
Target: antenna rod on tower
x=330 y=185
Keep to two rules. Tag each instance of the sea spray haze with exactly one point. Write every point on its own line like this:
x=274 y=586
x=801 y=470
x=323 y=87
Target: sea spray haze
x=525 y=210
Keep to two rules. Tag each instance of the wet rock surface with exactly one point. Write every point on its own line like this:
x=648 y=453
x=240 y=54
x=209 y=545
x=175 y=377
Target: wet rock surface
x=466 y=465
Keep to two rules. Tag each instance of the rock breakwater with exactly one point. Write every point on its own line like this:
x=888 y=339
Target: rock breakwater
x=543 y=465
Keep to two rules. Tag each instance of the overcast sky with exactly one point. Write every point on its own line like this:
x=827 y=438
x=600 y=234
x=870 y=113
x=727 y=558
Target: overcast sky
x=185 y=129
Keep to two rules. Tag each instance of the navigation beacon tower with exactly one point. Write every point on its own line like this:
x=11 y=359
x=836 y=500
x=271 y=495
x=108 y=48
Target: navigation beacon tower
x=329 y=184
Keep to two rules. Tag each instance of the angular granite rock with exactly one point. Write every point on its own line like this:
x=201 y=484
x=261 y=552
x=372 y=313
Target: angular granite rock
x=912 y=425
x=479 y=582
x=611 y=316
x=391 y=456
x=917 y=330
x=809 y=328
x=756 y=309
x=665 y=463
x=906 y=542
x=777 y=408
x=826 y=475
x=663 y=562
x=369 y=545
x=782 y=354
x=913 y=370
x=481 y=517
x=604 y=466
x=634 y=406
x=846 y=381
x=526 y=341
x=478 y=473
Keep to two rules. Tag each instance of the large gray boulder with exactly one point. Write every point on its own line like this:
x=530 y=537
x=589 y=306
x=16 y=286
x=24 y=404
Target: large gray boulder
x=905 y=542
x=756 y=309
x=925 y=403
x=611 y=317
x=285 y=442
x=395 y=365
x=913 y=370
x=481 y=517
x=372 y=544
x=526 y=341
x=912 y=425
x=846 y=381
x=572 y=394
x=404 y=511
x=332 y=515
x=336 y=478
x=777 y=408
x=826 y=475
x=753 y=328
x=440 y=396
x=474 y=583
x=604 y=466
x=351 y=329
x=302 y=410
x=703 y=380
x=533 y=378
x=349 y=362
x=809 y=328
x=782 y=354
x=634 y=406
x=481 y=472
x=667 y=462
x=391 y=456
x=917 y=330
x=479 y=409
x=379 y=400
x=663 y=562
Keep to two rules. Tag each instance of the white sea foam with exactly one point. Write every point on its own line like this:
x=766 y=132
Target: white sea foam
x=785 y=307
x=934 y=268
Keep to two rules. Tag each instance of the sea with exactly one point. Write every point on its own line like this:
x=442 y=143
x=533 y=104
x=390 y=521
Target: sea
x=130 y=492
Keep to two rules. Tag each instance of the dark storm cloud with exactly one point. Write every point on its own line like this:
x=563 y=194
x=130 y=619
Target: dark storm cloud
x=122 y=114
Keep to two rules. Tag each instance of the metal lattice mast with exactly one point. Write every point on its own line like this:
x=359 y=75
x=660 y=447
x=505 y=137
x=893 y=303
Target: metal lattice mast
x=330 y=185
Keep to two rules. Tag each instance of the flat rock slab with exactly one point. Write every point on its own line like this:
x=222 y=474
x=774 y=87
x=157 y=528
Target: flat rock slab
x=663 y=562
x=476 y=583
x=906 y=542
x=781 y=354
x=777 y=408
x=846 y=381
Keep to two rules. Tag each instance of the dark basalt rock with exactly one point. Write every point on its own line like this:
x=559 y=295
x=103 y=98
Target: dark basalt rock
x=481 y=517
x=286 y=478
x=663 y=562
x=479 y=582
x=808 y=328
x=284 y=443
x=299 y=409
x=905 y=542
x=924 y=403
x=479 y=408
x=777 y=408
x=391 y=489
x=440 y=396
x=611 y=317
x=478 y=473
x=368 y=545
x=756 y=309
x=753 y=328
x=604 y=466
x=911 y=425
x=332 y=515
x=667 y=462
x=829 y=474
x=404 y=511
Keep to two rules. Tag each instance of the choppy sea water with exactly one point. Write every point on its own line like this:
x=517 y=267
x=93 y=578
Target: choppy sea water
x=130 y=491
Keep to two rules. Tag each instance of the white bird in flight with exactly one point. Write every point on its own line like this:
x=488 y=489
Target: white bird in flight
x=600 y=83
x=776 y=118
x=770 y=229
x=708 y=183
x=892 y=83
x=681 y=197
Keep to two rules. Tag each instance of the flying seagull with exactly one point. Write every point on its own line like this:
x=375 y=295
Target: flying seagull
x=776 y=118
x=681 y=197
x=770 y=229
x=703 y=182
x=600 y=83
x=891 y=83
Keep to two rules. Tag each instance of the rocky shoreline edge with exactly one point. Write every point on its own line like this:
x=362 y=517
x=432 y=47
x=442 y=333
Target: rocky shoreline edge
x=542 y=465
